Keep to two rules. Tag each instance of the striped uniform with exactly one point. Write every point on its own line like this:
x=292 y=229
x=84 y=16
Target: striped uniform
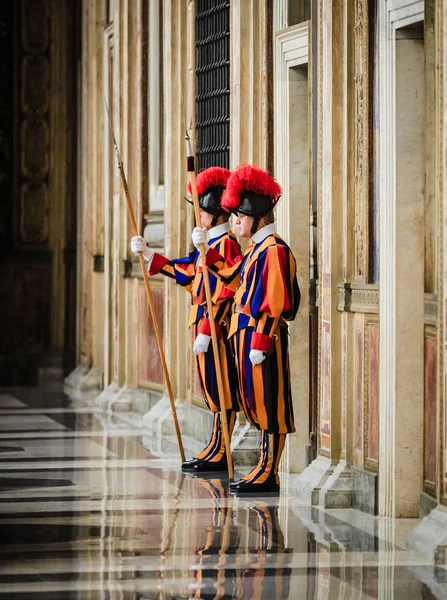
x=187 y=272
x=266 y=296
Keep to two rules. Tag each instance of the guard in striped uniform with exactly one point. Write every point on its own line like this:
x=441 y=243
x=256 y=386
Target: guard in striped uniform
x=187 y=272
x=266 y=297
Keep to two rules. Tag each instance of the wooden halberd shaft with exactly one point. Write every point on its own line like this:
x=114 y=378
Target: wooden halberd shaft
x=209 y=303
x=149 y=294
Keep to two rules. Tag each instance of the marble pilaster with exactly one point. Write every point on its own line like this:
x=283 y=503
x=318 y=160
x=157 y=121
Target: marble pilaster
x=250 y=71
x=293 y=168
x=327 y=480
x=400 y=377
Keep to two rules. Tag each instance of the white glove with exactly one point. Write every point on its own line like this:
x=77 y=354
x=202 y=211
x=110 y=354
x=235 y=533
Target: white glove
x=199 y=236
x=257 y=356
x=202 y=343
x=138 y=244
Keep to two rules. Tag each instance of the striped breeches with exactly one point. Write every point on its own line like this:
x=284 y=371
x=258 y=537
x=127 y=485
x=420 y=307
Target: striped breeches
x=206 y=370
x=265 y=388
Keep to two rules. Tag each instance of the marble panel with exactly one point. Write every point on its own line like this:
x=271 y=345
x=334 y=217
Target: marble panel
x=57 y=450
x=430 y=384
x=150 y=367
x=358 y=389
x=24 y=483
x=7 y=401
x=50 y=435
x=46 y=411
x=28 y=423
x=373 y=392
x=73 y=465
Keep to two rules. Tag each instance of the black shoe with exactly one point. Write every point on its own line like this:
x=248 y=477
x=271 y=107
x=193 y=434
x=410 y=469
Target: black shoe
x=235 y=484
x=189 y=465
x=267 y=487
x=206 y=466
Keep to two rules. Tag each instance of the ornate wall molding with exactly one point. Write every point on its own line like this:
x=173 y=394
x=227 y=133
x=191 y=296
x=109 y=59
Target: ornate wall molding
x=369 y=463
x=358 y=297
x=431 y=309
x=361 y=128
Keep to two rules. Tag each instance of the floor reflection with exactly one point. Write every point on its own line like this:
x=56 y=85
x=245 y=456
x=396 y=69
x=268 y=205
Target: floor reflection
x=86 y=511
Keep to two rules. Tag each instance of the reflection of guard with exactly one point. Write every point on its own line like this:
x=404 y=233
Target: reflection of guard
x=187 y=272
x=266 y=575
x=219 y=540
x=266 y=297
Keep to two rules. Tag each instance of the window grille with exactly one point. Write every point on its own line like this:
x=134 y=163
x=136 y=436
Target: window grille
x=213 y=83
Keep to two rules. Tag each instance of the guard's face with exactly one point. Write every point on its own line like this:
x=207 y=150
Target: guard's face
x=206 y=219
x=244 y=224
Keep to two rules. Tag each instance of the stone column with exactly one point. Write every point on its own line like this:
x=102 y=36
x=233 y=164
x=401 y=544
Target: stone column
x=429 y=536
x=401 y=106
x=249 y=138
x=179 y=82
x=86 y=379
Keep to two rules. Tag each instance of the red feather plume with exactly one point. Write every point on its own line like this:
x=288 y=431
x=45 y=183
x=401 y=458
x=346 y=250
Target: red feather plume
x=213 y=176
x=253 y=179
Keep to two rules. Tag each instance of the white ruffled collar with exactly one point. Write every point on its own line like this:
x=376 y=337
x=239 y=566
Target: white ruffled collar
x=219 y=230
x=263 y=233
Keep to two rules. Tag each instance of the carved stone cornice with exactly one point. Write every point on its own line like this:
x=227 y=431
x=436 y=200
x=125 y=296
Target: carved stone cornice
x=358 y=297
x=430 y=309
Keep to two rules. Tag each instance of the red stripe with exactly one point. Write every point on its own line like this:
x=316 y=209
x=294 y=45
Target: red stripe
x=259 y=341
x=158 y=262
x=212 y=257
x=205 y=328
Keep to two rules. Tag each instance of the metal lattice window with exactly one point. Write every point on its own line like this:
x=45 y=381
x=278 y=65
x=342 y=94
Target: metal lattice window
x=213 y=83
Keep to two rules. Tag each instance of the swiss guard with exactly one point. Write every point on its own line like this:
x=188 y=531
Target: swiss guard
x=187 y=272
x=266 y=297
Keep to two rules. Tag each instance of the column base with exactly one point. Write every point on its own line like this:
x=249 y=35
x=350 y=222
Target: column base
x=365 y=491
x=196 y=424
x=428 y=540
x=324 y=484
x=84 y=383
x=125 y=399
x=429 y=537
x=116 y=399
x=335 y=534
x=245 y=445
x=159 y=434
x=428 y=503
x=51 y=372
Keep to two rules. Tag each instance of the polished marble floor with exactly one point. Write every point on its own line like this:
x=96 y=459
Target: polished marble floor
x=87 y=511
